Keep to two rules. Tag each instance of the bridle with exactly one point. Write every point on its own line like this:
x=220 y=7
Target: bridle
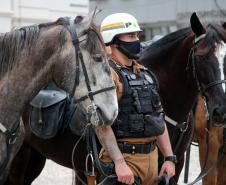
x=92 y=108
x=202 y=88
x=12 y=135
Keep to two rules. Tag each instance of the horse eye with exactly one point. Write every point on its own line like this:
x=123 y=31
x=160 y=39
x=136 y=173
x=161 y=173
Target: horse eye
x=98 y=58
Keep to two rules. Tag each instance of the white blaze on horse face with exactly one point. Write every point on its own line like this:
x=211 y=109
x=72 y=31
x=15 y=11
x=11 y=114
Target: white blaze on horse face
x=221 y=54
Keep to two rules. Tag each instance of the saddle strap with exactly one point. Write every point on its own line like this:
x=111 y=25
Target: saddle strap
x=91 y=180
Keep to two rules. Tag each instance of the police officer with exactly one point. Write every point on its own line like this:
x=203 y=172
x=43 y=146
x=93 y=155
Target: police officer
x=130 y=143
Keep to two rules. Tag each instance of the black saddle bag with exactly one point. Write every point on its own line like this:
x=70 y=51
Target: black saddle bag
x=47 y=113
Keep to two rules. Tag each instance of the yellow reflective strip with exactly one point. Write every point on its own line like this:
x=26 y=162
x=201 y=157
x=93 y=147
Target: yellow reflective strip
x=116 y=24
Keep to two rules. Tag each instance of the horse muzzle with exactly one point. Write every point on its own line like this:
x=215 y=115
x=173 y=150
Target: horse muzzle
x=219 y=116
x=106 y=120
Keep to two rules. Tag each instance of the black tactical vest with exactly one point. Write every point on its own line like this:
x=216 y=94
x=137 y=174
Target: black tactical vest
x=139 y=106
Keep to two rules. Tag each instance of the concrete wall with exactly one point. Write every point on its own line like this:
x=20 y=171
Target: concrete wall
x=209 y=11
x=163 y=16
x=16 y=13
x=146 y=11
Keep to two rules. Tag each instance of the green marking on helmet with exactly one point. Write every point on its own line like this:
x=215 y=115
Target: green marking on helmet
x=135 y=24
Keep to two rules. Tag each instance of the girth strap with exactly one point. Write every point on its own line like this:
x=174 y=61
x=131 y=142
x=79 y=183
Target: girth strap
x=183 y=128
x=11 y=137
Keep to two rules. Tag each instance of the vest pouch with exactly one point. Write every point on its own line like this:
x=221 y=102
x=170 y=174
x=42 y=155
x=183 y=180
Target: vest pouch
x=154 y=125
x=136 y=123
x=156 y=102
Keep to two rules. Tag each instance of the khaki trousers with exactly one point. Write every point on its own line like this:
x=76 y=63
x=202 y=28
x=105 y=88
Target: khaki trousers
x=144 y=166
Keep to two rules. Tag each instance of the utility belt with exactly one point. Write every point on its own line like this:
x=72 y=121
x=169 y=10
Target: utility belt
x=137 y=148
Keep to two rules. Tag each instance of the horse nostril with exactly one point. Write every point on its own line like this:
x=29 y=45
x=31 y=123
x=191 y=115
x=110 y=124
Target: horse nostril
x=219 y=115
x=216 y=114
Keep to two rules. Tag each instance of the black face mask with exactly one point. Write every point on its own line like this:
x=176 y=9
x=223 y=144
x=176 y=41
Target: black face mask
x=130 y=49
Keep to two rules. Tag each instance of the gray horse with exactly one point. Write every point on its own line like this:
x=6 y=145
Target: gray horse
x=32 y=56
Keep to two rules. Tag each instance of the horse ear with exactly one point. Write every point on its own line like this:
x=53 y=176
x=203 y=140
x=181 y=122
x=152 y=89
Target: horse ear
x=224 y=25
x=196 y=25
x=95 y=12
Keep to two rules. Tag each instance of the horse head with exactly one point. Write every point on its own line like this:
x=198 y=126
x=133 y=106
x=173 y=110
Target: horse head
x=96 y=81
x=208 y=56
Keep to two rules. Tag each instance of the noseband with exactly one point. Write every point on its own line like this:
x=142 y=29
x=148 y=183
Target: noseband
x=201 y=88
x=91 y=109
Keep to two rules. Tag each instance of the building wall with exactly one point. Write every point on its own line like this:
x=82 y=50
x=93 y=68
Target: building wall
x=149 y=13
x=163 y=16
x=209 y=11
x=16 y=13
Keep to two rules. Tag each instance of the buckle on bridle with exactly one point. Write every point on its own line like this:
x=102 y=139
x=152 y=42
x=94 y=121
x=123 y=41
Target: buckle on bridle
x=184 y=126
x=92 y=116
x=13 y=138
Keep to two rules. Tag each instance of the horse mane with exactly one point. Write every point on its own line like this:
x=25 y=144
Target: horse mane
x=93 y=37
x=13 y=43
x=167 y=43
x=93 y=34
x=213 y=34
x=18 y=43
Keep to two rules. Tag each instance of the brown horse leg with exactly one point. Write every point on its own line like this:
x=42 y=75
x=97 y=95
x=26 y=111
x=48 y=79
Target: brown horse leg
x=211 y=178
x=213 y=144
x=221 y=179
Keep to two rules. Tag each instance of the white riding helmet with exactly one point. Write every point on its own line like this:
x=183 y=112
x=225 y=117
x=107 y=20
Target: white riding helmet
x=116 y=24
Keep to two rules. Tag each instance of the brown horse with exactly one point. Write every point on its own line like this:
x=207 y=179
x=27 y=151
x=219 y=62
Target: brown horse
x=192 y=74
x=184 y=63
x=33 y=56
x=211 y=140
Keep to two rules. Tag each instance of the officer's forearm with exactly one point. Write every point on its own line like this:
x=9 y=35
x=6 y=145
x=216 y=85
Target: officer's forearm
x=163 y=143
x=108 y=141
